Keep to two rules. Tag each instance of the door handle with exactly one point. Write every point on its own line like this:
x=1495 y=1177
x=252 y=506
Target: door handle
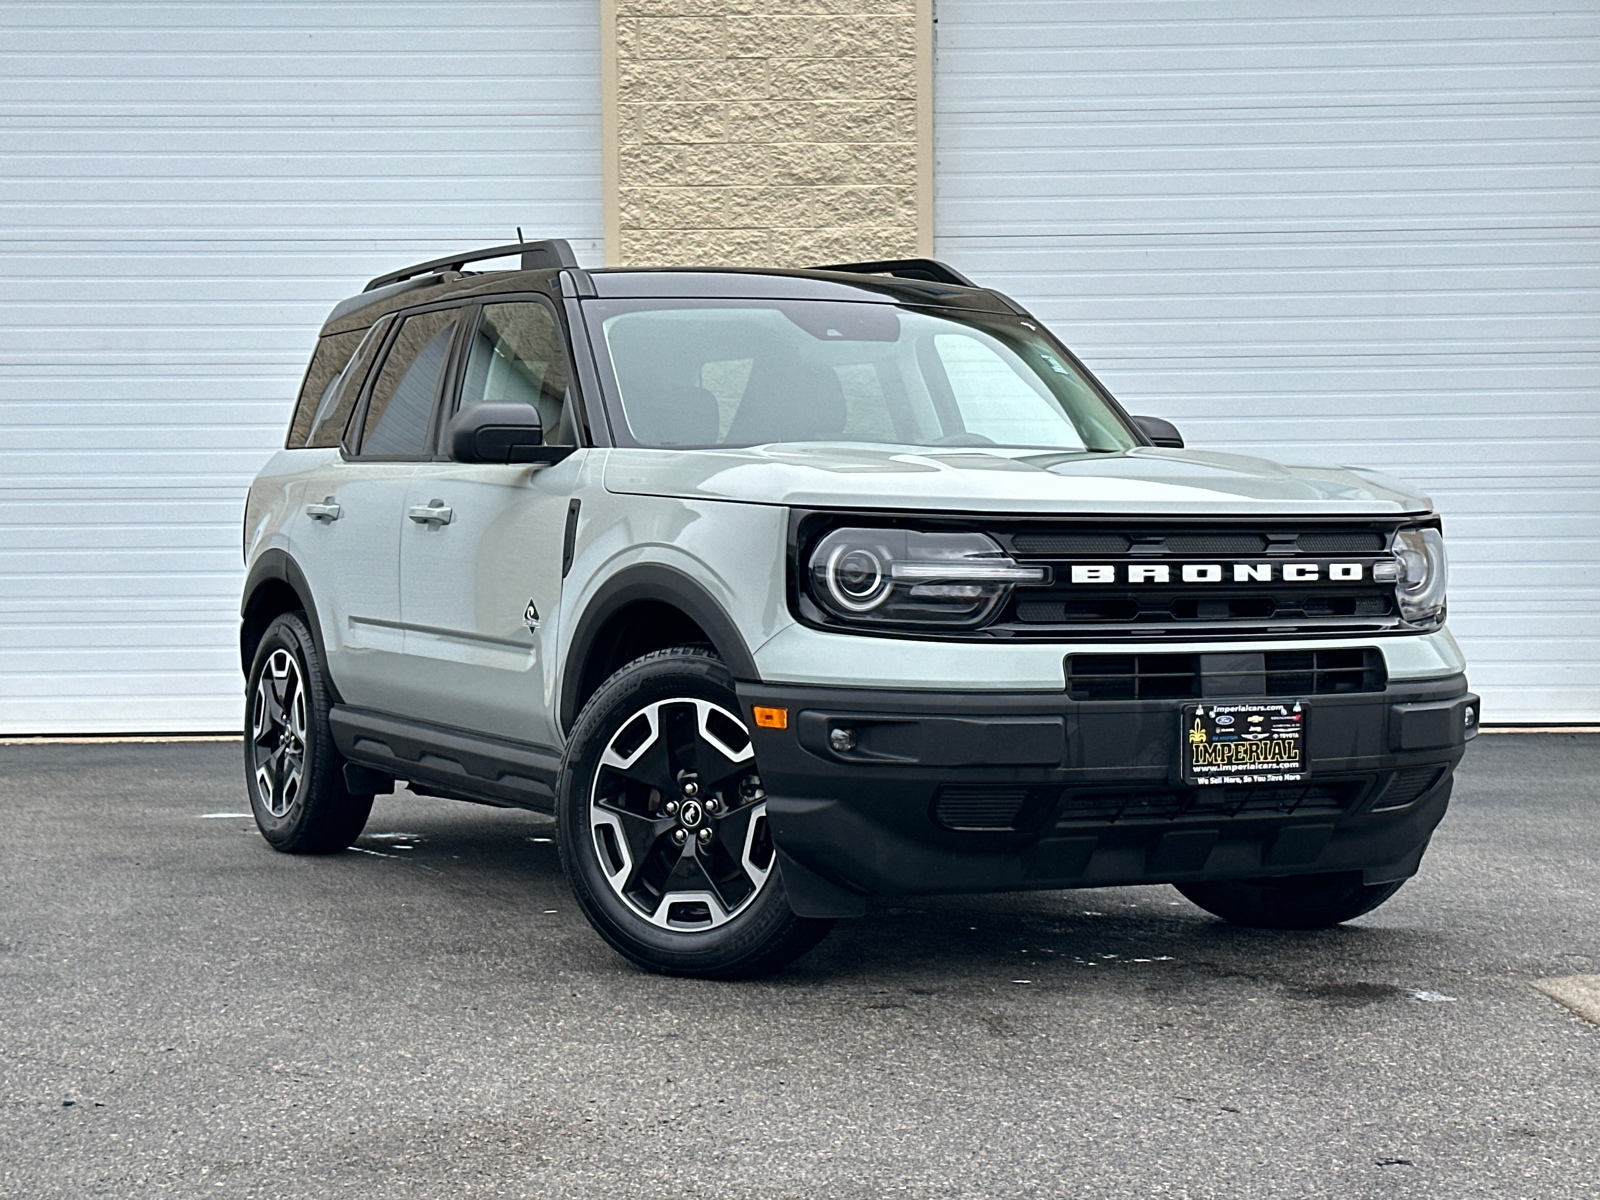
x=435 y=512
x=326 y=511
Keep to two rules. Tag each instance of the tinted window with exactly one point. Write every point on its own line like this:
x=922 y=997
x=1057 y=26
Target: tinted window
x=517 y=357
x=322 y=377
x=340 y=395
x=402 y=399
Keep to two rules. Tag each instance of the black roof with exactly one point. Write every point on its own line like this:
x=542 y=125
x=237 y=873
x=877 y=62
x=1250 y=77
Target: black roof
x=923 y=282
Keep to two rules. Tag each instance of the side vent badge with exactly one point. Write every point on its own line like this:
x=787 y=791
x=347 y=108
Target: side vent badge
x=530 y=616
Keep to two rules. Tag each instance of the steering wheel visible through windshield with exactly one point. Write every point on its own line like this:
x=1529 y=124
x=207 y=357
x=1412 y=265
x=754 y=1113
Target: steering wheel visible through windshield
x=753 y=372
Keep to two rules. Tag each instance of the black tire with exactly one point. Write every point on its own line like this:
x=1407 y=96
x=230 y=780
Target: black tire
x=293 y=772
x=1296 y=902
x=661 y=892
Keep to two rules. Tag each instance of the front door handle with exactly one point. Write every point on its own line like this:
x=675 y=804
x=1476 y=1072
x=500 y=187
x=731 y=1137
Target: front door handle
x=326 y=511
x=434 y=512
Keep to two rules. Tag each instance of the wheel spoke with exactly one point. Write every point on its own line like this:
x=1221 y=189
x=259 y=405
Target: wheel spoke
x=690 y=876
x=293 y=770
x=680 y=733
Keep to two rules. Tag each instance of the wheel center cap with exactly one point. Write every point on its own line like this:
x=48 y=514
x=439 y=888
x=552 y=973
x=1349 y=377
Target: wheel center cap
x=691 y=813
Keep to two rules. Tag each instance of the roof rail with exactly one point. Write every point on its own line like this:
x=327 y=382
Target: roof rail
x=906 y=268
x=536 y=256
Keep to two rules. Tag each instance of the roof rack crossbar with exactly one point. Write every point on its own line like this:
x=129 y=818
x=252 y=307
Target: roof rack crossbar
x=536 y=256
x=906 y=268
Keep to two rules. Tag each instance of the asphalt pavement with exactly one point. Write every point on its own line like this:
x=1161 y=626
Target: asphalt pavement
x=185 y=1012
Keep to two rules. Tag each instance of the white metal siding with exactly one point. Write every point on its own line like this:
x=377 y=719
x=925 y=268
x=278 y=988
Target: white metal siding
x=185 y=190
x=1342 y=231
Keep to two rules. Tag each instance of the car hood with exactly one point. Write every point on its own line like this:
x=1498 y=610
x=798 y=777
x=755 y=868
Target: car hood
x=1145 y=480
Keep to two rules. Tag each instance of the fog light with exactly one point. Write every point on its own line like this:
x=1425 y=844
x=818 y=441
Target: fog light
x=842 y=740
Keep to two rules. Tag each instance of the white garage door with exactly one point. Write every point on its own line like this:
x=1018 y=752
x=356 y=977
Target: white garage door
x=185 y=190
x=1348 y=231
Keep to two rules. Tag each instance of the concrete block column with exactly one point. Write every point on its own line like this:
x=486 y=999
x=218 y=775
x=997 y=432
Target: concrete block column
x=767 y=132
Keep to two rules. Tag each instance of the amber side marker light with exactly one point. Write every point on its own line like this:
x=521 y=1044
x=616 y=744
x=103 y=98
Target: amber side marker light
x=772 y=718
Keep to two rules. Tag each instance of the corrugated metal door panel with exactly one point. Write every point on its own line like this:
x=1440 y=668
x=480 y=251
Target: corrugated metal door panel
x=185 y=190
x=1325 y=232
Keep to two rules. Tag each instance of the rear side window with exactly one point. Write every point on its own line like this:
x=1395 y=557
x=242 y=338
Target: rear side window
x=322 y=377
x=339 y=397
x=401 y=408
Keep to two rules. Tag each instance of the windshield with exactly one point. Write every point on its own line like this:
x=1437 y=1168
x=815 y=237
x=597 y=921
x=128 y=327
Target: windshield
x=750 y=372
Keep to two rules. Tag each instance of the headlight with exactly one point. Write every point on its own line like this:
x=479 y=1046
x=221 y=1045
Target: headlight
x=906 y=577
x=1420 y=575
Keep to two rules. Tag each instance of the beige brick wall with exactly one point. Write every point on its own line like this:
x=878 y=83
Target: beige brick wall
x=767 y=132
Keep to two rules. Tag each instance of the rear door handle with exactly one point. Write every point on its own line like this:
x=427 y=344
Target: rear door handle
x=435 y=512
x=326 y=511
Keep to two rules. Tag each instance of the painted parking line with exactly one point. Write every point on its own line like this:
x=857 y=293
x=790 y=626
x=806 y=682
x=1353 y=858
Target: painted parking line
x=1580 y=993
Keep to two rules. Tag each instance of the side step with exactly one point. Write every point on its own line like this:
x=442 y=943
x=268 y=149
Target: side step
x=457 y=763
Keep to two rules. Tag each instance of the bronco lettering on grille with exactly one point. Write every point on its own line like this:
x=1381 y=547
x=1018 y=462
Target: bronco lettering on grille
x=1289 y=572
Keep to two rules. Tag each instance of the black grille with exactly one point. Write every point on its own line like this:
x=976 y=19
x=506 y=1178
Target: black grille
x=1160 y=803
x=1133 y=676
x=979 y=808
x=1407 y=786
x=1158 y=541
x=1249 y=579
x=1070 y=543
x=1183 y=676
x=1323 y=672
x=1343 y=542
x=1087 y=608
x=1215 y=543
x=1163 y=607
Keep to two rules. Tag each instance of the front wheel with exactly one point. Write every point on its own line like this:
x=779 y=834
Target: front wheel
x=1296 y=902
x=662 y=825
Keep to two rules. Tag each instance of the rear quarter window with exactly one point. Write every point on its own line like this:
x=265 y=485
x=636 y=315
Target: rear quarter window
x=322 y=376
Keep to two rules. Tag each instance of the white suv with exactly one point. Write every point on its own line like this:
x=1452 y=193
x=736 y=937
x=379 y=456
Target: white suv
x=782 y=589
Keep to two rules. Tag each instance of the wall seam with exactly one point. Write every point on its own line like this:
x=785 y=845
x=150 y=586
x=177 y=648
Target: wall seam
x=610 y=167
x=925 y=44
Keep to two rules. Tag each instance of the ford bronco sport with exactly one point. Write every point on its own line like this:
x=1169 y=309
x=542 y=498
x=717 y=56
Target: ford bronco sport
x=781 y=589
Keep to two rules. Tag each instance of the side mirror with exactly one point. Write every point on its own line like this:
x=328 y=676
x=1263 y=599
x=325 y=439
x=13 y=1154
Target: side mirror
x=500 y=433
x=1160 y=433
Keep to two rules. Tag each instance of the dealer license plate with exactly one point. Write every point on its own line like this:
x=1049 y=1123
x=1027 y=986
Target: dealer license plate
x=1254 y=742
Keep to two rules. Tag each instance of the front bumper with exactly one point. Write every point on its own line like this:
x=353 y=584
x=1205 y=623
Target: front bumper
x=948 y=792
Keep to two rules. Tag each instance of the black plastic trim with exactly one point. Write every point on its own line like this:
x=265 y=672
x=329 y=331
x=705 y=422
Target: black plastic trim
x=569 y=539
x=905 y=268
x=651 y=582
x=276 y=565
x=548 y=254
x=472 y=765
x=1110 y=811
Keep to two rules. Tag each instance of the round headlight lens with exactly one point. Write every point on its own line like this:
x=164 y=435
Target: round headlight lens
x=857 y=578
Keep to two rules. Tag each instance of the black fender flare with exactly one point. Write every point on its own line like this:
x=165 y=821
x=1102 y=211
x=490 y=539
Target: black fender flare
x=276 y=565
x=668 y=585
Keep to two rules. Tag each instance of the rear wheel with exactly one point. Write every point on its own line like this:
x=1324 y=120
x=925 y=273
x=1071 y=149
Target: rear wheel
x=1296 y=902
x=663 y=825
x=294 y=773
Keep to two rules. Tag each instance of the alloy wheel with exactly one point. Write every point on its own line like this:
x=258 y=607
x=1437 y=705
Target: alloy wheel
x=278 y=733
x=679 y=817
